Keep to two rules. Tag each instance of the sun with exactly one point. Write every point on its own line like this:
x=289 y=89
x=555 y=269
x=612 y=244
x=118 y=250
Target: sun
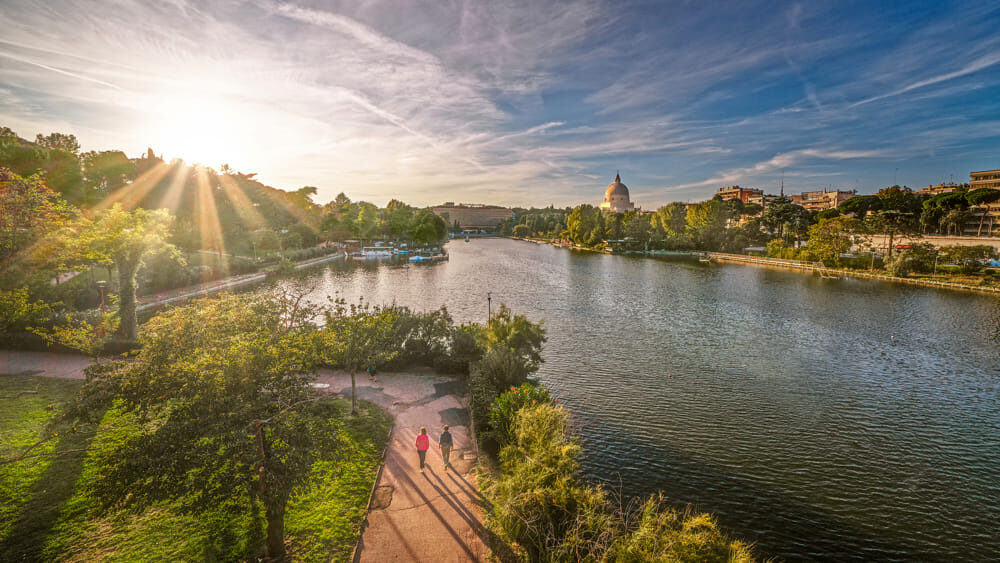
x=199 y=129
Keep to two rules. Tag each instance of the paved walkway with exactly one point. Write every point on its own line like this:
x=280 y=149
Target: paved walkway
x=45 y=364
x=430 y=516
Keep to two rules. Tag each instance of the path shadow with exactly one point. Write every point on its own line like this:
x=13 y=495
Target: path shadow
x=455 y=416
x=500 y=548
x=44 y=504
x=452 y=387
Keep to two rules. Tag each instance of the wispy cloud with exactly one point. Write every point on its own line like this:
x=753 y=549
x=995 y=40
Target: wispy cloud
x=515 y=102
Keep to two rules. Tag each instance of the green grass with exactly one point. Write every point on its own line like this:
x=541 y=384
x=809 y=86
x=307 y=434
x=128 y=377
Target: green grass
x=46 y=513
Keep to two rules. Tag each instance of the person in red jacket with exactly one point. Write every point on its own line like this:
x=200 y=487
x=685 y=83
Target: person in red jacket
x=423 y=442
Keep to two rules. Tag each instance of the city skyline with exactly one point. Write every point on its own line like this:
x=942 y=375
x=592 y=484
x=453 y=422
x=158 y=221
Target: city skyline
x=519 y=104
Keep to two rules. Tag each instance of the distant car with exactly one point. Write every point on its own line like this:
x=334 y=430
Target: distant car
x=902 y=246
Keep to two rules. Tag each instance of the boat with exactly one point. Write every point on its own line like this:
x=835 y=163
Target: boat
x=376 y=252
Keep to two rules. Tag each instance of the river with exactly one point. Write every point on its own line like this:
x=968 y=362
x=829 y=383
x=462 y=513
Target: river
x=822 y=419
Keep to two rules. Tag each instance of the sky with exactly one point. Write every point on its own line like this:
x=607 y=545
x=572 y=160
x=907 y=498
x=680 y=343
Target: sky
x=518 y=102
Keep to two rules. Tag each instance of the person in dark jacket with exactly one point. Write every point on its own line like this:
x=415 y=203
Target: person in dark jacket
x=445 y=443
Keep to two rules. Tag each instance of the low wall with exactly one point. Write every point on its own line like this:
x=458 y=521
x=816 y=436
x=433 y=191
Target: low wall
x=880 y=241
x=815 y=267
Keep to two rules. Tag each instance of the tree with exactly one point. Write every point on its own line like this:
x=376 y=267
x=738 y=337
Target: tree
x=358 y=336
x=517 y=334
x=860 y=205
x=105 y=172
x=581 y=224
x=830 y=238
x=398 y=219
x=367 y=220
x=28 y=210
x=955 y=220
x=786 y=219
x=123 y=239
x=428 y=228
x=220 y=393
x=706 y=223
x=59 y=141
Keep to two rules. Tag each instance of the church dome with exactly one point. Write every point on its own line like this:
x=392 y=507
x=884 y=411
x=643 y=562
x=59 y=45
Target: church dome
x=617 y=188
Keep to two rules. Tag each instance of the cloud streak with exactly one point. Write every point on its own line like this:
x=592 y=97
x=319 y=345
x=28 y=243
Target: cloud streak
x=518 y=102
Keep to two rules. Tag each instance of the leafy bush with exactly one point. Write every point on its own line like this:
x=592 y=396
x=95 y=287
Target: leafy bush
x=499 y=369
x=539 y=503
x=503 y=412
x=463 y=351
x=899 y=265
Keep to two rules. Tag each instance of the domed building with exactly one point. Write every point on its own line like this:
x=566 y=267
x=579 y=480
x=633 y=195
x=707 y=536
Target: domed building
x=616 y=197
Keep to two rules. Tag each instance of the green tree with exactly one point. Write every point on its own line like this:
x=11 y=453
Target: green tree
x=367 y=220
x=706 y=224
x=953 y=222
x=28 y=210
x=860 y=206
x=516 y=333
x=60 y=141
x=358 y=336
x=398 y=218
x=581 y=223
x=105 y=172
x=428 y=227
x=123 y=239
x=220 y=393
x=830 y=238
x=786 y=219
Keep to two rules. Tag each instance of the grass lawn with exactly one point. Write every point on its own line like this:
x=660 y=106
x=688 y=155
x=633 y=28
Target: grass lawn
x=46 y=513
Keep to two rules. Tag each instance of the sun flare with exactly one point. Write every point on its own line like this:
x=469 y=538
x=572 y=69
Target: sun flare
x=199 y=129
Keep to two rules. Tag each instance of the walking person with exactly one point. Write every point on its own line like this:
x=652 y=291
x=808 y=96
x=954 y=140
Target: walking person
x=445 y=443
x=423 y=443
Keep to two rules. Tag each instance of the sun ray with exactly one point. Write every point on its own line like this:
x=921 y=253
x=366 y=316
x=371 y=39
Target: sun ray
x=207 y=216
x=172 y=197
x=132 y=194
x=244 y=207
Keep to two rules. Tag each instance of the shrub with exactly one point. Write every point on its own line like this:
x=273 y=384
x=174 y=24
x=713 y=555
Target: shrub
x=539 y=503
x=899 y=265
x=499 y=369
x=503 y=412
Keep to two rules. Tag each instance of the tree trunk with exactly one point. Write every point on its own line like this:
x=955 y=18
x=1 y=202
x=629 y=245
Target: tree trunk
x=275 y=543
x=127 y=270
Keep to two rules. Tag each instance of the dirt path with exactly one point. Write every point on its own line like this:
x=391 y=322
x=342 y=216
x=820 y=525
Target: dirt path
x=430 y=516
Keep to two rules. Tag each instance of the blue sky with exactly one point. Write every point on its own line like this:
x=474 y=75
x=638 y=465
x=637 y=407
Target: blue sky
x=519 y=102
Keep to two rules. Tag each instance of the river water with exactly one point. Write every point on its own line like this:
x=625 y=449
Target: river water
x=822 y=419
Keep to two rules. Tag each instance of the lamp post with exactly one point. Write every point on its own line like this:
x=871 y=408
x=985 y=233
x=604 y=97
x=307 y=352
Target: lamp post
x=935 y=263
x=100 y=285
x=489 y=305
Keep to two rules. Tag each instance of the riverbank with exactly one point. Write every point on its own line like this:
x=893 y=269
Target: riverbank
x=798 y=265
x=823 y=271
x=155 y=301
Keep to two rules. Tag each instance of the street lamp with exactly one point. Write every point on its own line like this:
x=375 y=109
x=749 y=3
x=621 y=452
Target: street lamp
x=489 y=305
